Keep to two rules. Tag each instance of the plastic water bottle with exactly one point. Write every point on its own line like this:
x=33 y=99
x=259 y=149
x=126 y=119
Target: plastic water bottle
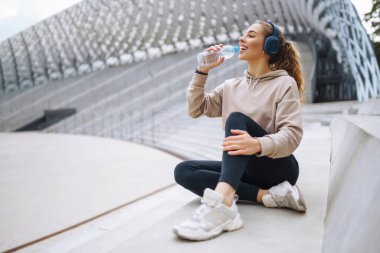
x=208 y=57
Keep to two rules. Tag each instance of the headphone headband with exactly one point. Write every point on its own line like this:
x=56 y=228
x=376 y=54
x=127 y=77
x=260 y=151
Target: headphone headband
x=272 y=42
x=275 y=29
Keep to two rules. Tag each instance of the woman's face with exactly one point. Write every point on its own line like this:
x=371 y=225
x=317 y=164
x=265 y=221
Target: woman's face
x=252 y=43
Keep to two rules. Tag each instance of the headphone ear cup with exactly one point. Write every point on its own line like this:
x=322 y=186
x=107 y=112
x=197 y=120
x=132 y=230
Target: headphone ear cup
x=271 y=45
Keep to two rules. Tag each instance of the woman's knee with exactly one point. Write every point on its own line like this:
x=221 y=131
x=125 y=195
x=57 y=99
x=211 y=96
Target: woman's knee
x=238 y=120
x=181 y=172
x=234 y=120
x=236 y=116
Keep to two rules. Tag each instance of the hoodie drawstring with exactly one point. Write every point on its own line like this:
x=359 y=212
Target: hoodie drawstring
x=250 y=82
x=254 y=85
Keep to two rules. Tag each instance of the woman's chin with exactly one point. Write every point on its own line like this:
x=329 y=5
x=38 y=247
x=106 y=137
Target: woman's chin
x=241 y=57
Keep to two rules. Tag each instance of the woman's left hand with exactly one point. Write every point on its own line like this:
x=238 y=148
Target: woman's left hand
x=241 y=143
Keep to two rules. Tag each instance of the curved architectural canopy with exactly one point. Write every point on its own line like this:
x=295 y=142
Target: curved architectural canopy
x=95 y=34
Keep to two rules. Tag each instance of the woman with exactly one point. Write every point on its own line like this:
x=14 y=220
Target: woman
x=261 y=115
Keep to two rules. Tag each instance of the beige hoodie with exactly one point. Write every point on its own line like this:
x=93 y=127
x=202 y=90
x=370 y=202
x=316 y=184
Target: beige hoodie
x=272 y=100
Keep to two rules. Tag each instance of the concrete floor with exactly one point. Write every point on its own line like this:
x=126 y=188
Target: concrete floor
x=51 y=182
x=264 y=230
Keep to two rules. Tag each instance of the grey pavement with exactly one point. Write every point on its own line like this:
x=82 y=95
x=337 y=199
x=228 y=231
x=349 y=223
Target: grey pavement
x=264 y=230
x=62 y=180
x=115 y=196
x=50 y=182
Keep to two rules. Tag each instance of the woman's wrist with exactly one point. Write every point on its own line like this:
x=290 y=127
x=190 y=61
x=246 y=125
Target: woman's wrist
x=257 y=146
x=203 y=71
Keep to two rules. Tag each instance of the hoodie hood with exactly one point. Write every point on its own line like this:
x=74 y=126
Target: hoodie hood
x=267 y=76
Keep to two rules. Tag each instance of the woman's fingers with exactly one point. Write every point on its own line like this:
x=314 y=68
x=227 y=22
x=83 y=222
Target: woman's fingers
x=233 y=137
x=237 y=152
x=221 y=60
x=215 y=47
x=218 y=62
x=218 y=46
x=231 y=147
x=237 y=131
x=212 y=48
x=233 y=142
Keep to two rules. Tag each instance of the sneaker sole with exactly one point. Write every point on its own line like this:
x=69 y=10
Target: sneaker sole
x=236 y=224
x=296 y=205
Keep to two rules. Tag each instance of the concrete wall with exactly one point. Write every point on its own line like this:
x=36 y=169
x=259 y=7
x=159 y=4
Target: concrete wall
x=352 y=222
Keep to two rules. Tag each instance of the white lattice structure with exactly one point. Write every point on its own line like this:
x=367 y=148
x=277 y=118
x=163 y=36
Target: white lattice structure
x=96 y=34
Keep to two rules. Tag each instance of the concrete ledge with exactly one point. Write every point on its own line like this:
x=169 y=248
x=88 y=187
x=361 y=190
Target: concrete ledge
x=370 y=107
x=352 y=221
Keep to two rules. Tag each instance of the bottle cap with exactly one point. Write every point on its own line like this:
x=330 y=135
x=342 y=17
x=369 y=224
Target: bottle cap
x=236 y=49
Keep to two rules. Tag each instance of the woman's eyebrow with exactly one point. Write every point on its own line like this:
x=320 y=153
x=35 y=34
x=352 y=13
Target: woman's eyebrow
x=250 y=31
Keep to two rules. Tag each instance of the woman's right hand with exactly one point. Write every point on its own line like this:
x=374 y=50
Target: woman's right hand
x=208 y=67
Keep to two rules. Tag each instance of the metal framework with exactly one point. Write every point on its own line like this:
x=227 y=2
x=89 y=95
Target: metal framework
x=96 y=34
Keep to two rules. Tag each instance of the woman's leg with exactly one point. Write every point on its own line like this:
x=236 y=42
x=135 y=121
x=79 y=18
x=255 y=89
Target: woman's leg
x=226 y=177
x=242 y=174
x=197 y=175
x=262 y=172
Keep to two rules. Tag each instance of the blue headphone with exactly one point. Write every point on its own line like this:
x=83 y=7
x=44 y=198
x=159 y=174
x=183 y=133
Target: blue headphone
x=272 y=43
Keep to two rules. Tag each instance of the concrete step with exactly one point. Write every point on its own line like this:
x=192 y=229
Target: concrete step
x=52 y=182
x=190 y=151
x=176 y=98
x=145 y=225
x=103 y=234
x=81 y=93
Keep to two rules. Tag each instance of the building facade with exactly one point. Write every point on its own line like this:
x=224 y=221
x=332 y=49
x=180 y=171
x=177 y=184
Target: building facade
x=97 y=34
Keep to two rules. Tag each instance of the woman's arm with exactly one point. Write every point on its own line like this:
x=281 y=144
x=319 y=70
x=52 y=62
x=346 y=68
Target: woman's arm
x=241 y=143
x=199 y=103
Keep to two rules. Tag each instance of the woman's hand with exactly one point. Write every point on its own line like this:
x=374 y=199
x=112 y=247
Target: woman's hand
x=206 y=68
x=241 y=143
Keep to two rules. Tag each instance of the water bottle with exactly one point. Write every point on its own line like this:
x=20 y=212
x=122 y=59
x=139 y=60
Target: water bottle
x=208 y=57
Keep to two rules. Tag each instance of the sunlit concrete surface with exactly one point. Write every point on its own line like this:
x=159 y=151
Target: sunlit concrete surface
x=96 y=174
x=352 y=215
x=145 y=226
x=264 y=230
x=49 y=182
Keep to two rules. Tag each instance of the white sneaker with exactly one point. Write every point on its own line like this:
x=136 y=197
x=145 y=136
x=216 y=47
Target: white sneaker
x=285 y=195
x=211 y=219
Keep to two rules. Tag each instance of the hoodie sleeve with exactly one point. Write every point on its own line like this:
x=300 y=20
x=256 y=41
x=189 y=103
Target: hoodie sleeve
x=289 y=122
x=199 y=103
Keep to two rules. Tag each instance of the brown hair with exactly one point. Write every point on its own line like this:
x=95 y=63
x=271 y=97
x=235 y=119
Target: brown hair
x=288 y=57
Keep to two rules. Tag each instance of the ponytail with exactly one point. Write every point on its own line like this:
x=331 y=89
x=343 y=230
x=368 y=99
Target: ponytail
x=288 y=57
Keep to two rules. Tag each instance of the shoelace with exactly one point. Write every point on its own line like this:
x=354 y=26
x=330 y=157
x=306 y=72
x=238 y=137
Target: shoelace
x=201 y=211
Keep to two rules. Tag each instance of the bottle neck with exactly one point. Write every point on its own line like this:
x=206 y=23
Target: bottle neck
x=236 y=49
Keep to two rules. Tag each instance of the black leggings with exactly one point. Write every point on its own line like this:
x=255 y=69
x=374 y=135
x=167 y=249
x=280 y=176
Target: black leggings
x=245 y=173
